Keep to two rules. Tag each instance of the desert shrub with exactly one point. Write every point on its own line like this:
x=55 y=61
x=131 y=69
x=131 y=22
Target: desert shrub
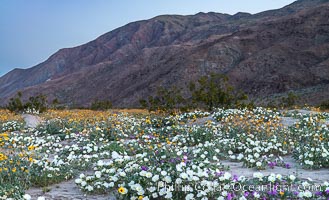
x=209 y=92
x=324 y=105
x=101 y=105
x=290 y=100
x=166 y=100
x=214 y=91
x=37 y=103
x=15 y=104
x=56 y=104
x=34 y=104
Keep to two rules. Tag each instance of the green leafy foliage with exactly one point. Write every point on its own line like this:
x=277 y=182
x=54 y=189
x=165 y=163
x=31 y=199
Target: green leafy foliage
x=214 y=91
x=290 y=100
x=166 y=100
x=324 y=105
x=101 y=105
x=209 y=92
x=34 y=104
x=15 y=104
x=38 y=103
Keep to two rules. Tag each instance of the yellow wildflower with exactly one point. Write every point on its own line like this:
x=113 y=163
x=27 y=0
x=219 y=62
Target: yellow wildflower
x=122 y=190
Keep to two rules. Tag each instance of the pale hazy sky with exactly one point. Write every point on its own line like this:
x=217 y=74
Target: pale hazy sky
x=32 y=30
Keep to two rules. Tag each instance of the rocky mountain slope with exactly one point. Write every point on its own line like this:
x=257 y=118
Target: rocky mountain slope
x=266 y=55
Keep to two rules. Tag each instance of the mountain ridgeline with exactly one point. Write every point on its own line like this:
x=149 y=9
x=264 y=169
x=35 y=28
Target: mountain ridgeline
x=266 y=55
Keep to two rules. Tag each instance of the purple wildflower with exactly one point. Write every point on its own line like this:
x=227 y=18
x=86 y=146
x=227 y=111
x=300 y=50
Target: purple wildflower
x=144 y=168
x=318 y=193
x=272 y=164
x=219 y=173
x=273 y=192
x=246 y=194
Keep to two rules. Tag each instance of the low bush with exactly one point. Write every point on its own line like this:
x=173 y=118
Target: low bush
x=101 y=105
x=35 y=104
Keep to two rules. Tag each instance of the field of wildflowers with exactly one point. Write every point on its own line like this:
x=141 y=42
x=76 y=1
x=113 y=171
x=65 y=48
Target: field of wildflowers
x=148 y=156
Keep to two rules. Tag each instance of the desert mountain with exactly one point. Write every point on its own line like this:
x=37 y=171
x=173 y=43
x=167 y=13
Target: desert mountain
x=266 y=55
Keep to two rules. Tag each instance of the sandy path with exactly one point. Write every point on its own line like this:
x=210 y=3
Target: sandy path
x=318 y=176
x=65 y=191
